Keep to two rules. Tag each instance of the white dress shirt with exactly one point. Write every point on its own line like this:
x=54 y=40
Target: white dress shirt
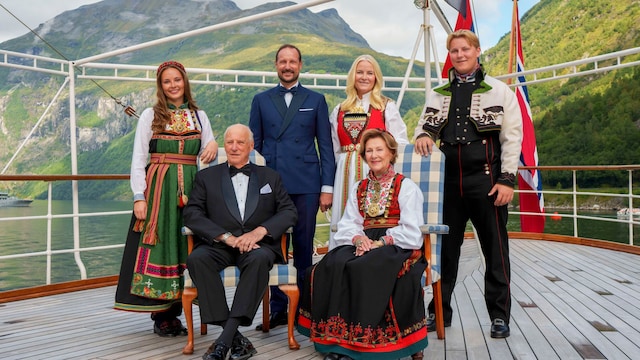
x=240 y=183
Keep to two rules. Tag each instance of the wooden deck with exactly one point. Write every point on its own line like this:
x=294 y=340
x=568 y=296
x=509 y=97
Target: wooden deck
x=569 y=302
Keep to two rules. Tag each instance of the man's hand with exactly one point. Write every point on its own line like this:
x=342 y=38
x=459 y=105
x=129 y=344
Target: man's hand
x=248 y=241
x=504 y=194
x=423 y=145
x=326 y=200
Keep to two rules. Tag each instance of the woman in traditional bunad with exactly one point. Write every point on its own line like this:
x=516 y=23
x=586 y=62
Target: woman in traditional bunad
x=364 y=299
x=364 y=108
x=168 y=139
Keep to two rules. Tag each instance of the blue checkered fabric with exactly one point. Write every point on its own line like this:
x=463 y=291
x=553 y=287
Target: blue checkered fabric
x=428 y=174
x=280 y=273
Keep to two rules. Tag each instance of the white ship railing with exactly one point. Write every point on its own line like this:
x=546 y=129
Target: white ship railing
x=629 y=197
x=90 y=69
x=587 y=66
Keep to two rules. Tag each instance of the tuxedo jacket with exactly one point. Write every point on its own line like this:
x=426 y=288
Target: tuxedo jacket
x=286 y=137
x=212 y=209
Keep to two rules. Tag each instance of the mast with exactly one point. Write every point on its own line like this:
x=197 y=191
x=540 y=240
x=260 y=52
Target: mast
x=512 y=41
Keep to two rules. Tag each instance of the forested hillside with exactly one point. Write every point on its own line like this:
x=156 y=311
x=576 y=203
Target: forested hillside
x=590 y=120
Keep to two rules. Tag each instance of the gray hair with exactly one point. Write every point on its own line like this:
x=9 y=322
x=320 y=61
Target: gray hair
x=241 y=126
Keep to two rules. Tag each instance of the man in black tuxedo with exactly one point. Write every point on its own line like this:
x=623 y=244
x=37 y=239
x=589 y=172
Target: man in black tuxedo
x=238 y=212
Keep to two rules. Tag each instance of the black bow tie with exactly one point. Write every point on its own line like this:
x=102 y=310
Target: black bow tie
x=284 y=90
x=234 y=170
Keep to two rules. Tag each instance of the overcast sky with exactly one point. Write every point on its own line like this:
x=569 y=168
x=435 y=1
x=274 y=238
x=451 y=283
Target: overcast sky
x=389 y=26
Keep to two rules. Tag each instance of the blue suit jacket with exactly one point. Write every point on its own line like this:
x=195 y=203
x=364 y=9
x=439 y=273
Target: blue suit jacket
x=287 y=137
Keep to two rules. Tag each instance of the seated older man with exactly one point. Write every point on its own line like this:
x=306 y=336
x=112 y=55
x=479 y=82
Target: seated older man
x=238 y=212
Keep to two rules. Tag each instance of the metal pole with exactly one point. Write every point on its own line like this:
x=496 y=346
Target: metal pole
x=427 y=51
x=426 y=30
x=407 y=74
x=631 y=214
x=24 y=142
x=74 y=171
x=49 y=227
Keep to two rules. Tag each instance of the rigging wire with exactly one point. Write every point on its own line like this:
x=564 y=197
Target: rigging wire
x=129 y=110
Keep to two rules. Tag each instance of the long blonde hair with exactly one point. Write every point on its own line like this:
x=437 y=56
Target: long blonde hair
x=161 y=113
x=376 y=100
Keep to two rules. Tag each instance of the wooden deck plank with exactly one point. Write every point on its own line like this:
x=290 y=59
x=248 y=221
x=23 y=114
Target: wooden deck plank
x=609 y=273
x=561 y=303
x=540 y=295
x=498 y=348
x=528 y=319
x=608 y=278
x=605 y=307
x=473 y=337
x=520 y=346
x=563 y=298
x=590 y=306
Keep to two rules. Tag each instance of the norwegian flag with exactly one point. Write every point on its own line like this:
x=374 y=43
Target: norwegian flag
x=464 y=22
x=460 y=5
x=532 y=202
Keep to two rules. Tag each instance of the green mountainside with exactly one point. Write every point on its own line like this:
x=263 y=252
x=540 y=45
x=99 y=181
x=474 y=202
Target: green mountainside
x=105 y=134
x=594 y=116
x=589 y=120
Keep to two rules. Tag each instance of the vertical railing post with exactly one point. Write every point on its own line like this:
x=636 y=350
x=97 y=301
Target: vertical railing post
x=575 y=203
x=49 y=227
x=631 y=219
x=74 y=171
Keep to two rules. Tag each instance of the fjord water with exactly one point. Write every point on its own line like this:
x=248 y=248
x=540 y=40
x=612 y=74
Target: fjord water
x=26 y=236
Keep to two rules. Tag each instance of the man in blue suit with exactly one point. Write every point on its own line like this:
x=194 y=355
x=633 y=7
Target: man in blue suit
x=290 y=124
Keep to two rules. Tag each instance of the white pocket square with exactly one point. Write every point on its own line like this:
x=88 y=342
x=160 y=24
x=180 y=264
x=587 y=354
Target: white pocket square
x=305 y=109
x=265 y=189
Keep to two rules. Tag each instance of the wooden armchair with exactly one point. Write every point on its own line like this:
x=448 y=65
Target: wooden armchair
x=283 y=276
x=428 y=174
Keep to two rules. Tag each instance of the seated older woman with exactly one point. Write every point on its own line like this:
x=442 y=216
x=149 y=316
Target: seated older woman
x=364 y=299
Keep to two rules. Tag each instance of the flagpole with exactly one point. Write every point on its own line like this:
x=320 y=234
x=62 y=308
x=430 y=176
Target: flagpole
x=426 y=35
x=527 y=180
x=512 y=41
x=427 y=50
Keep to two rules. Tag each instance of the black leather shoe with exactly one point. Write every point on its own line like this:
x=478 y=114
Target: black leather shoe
x=276 y=318
x=242 y=348
x=178 y=329
x=499 y=329
x=345 y=357
x=218 y=352
x=169 y=328
x=431 y=323
x=164 y=329
x=332 y=356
